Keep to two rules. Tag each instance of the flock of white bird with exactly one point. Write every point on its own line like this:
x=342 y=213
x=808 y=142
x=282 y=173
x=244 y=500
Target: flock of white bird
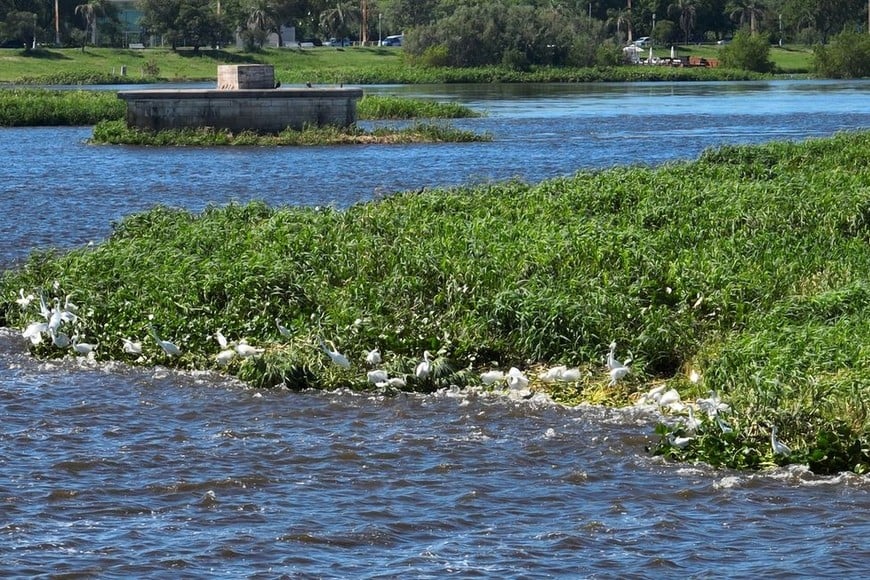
x=54 y=320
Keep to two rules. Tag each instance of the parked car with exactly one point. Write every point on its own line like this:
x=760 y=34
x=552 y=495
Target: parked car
x=338 y=42
x=394 y=40
x=643 y=42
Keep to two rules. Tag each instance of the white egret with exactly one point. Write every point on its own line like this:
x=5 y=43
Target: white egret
x=83 y=348
x=60 y=340
x=570 y=375
x=132 y=347
x=378 y=376
x=692 y=423
x=34 y=332
x=373 y=357
x=224 y=357
x=22 y=300
x=712 y=405
x=396 y=382
x=424 y=367
x=283 y=330
x=779 y=448
x=222 y=340
x=333 y=354
x=671 y=399
x=553 y=374
x=491 y=377
x=679 y=442
x=612 y=361
x=169 y=348
x=245 y=350
x=726 y=428
x=516 y=380
x=619 y=371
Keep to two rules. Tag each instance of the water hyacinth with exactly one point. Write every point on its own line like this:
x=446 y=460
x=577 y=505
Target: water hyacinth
x=748 y=267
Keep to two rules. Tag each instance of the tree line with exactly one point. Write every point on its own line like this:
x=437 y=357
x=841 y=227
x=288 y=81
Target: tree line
x=453 y=32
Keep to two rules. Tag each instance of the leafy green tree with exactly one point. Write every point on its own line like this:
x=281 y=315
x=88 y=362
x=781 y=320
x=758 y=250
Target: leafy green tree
x=194 y=22
x=684 y=12
x=21 y=26
x=747 y=51
x=846 y=57
x=747 y=11
x=339 y=20
x=89 y=12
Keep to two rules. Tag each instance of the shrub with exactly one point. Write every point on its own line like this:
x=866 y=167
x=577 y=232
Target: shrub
x=748 y=52
x=846 y=57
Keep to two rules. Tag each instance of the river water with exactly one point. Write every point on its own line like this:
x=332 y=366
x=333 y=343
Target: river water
x=108 y=470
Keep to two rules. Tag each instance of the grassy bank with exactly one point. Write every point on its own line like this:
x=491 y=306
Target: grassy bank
x=40 y=107
x=746 y=270
x=117 y=133
x=331 y=66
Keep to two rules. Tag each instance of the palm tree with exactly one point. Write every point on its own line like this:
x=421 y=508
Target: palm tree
x=684 y=11
x=89 y=12
x=746 y=10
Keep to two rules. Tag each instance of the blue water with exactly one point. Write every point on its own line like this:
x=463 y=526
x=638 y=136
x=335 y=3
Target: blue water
x=115 y=471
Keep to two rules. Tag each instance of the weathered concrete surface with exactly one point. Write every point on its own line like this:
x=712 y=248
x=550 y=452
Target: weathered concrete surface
x=232 y=77
x=262 y=110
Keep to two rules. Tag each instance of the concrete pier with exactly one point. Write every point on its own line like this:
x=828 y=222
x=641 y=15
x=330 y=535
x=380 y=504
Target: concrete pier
x=245 y=100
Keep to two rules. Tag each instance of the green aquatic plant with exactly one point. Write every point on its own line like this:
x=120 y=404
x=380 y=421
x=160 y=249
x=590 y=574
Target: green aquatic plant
x=32 y=107
x=118 y=133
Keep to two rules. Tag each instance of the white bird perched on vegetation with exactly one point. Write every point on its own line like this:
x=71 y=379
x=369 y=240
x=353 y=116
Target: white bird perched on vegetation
x=570 y=375
x=373 y=357
x=245 y=350
x=553 y=374
x=169 y=348
x=283 y=330
x=491 y=377
x=671 y=400
x=378 y=376
x=692 y=423
x=60 y=339
x=612 y=362
x=619 y=371
x=22 y=300
x=712 y=405
x=517 y=380
x=424 y=367
x=679 y=442
x=222 y=340
x=34 y=331
x=132 y=347
x=333 y=354
x=83 y=348
x=224 y=357
x=779 y=448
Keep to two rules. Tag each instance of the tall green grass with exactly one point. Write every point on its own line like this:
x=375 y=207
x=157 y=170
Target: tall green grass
x=749 y=266
x=34 y=107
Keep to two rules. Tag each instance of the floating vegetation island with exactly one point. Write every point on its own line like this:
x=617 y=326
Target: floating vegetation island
x=738 y=281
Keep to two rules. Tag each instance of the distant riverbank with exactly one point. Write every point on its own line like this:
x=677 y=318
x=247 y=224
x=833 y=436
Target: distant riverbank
x=329 y=65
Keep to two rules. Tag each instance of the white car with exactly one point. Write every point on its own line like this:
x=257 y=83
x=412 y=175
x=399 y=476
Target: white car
x=643 y=42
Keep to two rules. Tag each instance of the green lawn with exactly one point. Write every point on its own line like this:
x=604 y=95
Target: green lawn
x=182 y=65
x=292 y=65
x=789 y=59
